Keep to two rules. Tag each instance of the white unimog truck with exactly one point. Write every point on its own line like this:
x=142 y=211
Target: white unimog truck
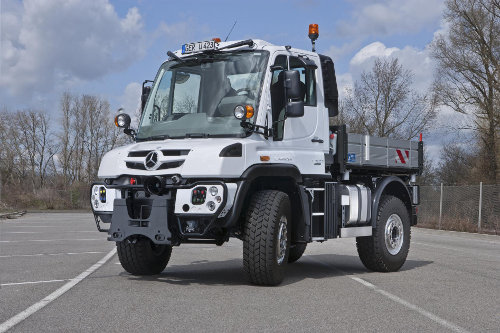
x=234 y=140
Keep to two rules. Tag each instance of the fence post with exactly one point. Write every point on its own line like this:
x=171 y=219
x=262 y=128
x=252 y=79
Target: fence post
x=480 y=206
x=441 y=206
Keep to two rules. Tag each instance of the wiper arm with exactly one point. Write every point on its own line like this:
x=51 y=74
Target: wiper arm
x=159 y=137
x=196 y=135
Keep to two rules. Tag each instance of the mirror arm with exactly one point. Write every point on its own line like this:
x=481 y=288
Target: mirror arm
x=253 y=128
x=130 y=132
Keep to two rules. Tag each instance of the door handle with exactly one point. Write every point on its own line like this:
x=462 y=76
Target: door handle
x=316 y=139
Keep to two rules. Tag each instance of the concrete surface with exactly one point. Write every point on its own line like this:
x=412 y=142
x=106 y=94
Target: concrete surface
x=450 y=282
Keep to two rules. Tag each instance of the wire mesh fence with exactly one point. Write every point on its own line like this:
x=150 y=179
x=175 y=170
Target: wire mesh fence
x=471 y=208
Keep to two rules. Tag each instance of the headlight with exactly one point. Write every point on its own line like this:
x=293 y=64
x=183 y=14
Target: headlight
x=213 y=191
x=239 y=112
x=211 y=205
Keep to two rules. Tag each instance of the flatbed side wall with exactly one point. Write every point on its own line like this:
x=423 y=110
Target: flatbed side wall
x=371 y=151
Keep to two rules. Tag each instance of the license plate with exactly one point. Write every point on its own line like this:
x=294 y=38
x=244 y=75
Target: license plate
x=199 y=46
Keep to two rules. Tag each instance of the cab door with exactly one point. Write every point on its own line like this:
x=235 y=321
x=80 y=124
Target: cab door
x=305 y=137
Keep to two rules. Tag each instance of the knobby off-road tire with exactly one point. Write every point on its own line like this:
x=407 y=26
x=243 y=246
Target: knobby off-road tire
x=143 y=257
x=296 y=252
x=386 y=250
x=266 y=238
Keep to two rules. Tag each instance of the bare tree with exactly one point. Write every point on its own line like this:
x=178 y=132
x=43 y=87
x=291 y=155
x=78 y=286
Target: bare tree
x=383 y=103
x=468 y=76
x=457 y=165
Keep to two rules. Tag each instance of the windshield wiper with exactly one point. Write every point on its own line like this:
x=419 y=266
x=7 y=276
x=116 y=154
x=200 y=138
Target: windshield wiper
x=159 y=137
x=196 y=135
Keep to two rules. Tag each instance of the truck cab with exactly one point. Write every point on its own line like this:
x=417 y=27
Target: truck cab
x=234 y=141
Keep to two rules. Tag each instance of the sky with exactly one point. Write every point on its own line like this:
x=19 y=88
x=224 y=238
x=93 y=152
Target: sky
x=108 y=48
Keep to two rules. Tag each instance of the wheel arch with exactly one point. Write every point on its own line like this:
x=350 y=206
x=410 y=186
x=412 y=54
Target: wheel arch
x=282 y=177
x=394 y=186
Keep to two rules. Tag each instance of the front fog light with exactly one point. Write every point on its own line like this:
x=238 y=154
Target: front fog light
x=211 y=205
x=213 y=191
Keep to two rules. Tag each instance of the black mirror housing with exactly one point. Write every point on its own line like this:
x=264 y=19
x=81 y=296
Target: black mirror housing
x=295 y=109
x=293 y=85
x=144 y=97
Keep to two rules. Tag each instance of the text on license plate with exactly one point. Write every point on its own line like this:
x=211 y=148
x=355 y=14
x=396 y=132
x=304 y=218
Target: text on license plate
x=199 y=46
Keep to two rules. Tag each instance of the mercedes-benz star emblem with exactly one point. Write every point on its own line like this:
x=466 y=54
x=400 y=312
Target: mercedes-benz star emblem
x=151 y=161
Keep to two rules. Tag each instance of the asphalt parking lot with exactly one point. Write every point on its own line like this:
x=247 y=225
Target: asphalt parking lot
x=58 y=274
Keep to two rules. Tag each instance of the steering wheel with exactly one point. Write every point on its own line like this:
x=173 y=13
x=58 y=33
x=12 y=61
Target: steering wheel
x=248 y=90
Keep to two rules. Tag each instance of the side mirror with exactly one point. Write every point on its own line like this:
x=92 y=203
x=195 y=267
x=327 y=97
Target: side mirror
x=145 y=93
x=295 y=109
x=294 y=93
x=144 y=97
x=293 y=86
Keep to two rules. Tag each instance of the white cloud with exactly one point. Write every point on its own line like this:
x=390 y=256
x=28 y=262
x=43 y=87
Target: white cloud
x=58 y=43
x=390 y=17
x=419 y=61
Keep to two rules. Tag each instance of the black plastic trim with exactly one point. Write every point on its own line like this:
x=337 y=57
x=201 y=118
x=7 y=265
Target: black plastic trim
x=272 y=170
x=234 y=150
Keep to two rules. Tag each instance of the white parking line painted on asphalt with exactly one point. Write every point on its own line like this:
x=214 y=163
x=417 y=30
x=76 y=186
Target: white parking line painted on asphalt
x=41 y=232
x=425 y=313
x=410 y=306
x=49 y=254
x=30 y=282
x=52 y=240
x=35 y=226
x=6 y=325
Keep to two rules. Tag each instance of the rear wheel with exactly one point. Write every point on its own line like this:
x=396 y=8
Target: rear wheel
x=143 y=257
x=386 y=250
x=296 y=252
x=266 y=238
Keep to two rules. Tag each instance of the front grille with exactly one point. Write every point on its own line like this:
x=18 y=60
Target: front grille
x=165 y=152
x=163 y=166
x=139 y=153
x=175 y=152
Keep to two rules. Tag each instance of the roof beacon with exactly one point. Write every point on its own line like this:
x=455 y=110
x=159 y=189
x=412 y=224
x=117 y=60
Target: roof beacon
x=313 y=35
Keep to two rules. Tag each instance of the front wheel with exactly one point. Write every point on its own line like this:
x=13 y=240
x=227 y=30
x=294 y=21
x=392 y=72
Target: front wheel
x=386 y=250
x=266 y=237
x=143 y=257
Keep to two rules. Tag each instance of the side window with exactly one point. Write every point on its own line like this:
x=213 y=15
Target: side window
x=308 y=79
x=278 y=98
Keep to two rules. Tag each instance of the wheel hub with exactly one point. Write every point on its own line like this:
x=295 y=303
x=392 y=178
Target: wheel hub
x=282 y=240
x=394 y=234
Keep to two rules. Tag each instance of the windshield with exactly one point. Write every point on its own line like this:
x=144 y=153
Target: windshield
x=196 y=97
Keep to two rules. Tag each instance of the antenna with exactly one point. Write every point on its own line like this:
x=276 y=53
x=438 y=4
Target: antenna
x=230 y=30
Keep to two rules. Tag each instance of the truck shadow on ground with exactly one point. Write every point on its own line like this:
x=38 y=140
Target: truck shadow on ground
x=230 y=272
